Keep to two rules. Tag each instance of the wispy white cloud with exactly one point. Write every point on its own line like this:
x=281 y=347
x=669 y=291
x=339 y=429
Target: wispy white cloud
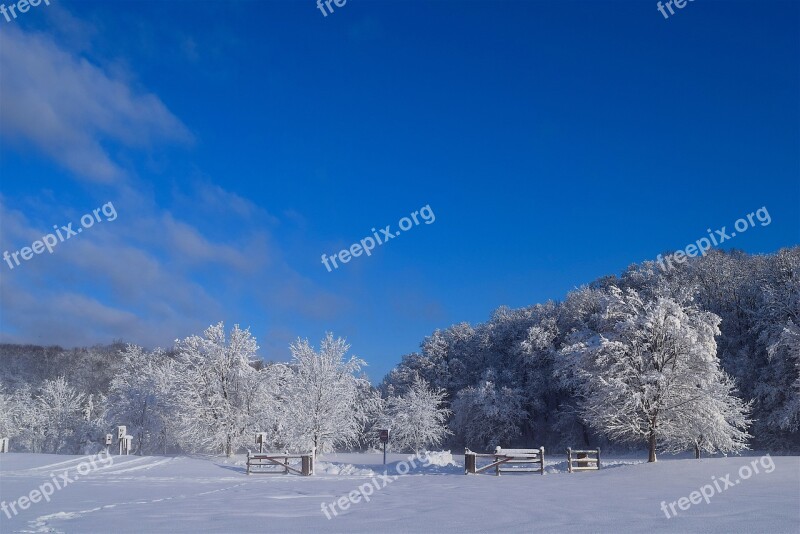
x=155 y=273
x=69 y=109
x=213 y=199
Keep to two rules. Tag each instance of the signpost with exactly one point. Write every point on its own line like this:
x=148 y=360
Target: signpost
x=261 y=439
x=384 y=433
x=124 y=443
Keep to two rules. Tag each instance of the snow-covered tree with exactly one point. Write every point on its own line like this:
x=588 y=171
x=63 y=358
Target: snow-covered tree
x=322 y=408
x=26 y=420
x=418 y=418
x=784 y=357
x=144 y=397
x=60 y=418
x=371 y=408
x=271 y=405
x=488 y=415
x=10 y=411
x=218 y=389
x=652 y=375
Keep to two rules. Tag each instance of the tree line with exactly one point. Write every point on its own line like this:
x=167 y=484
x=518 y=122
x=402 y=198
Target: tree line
x=705 y=356
x=210 y=393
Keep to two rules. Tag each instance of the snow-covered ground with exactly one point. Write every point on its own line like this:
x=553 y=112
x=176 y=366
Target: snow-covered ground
x=182 y=494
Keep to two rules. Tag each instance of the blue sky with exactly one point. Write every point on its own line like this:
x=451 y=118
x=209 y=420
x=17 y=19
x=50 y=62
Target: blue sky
x=556 y=142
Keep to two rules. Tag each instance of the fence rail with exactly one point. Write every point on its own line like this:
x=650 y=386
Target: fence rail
x=584 y=460
x=263 y=462
x=503 y=459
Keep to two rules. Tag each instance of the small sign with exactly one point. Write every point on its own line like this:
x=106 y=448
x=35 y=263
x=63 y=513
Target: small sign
x=261 y=438
x=384 y=435
x=109 y=439
x=121 y=432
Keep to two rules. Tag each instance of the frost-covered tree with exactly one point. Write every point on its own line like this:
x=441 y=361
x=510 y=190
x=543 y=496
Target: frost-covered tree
x=59 y=416
x=218 y=389
x=27 y=420
x=784 y=357
x=651 y=374
x=372 y=406
x=322 y=408
x=418 y=418
x=273 y=387
x=488 y=415
x=10 y=411
x=143 y=396
x=756 y=296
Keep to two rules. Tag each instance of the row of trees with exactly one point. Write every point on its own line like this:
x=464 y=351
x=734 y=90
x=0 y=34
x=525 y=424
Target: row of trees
x=211 y=393
x=56 y=417
x=704 y=356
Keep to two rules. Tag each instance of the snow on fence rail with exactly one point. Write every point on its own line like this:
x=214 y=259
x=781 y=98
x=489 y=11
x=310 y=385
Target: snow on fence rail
x=267 y=462
x=506 y=457
x=583 y=462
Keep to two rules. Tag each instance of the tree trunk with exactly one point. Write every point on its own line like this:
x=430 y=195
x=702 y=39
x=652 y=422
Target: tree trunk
x=697 y=451
x=652 y=456
x=228 y=447
x=585 y=435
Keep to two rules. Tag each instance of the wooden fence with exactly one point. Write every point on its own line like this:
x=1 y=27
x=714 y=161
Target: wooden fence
x=583 y=460
x=505 y=460
x=276 y=463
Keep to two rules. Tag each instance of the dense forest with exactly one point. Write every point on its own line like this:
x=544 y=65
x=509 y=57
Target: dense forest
x=703 y=356
x=509 y=379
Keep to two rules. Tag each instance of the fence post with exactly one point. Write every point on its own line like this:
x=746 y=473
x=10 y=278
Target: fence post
x=598 y=458
x=469 y=462
x=541 y=455
x=569 y=459
x=261 y=438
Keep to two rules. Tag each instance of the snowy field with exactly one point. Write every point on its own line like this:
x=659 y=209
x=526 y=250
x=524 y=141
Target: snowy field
x=183 y=494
